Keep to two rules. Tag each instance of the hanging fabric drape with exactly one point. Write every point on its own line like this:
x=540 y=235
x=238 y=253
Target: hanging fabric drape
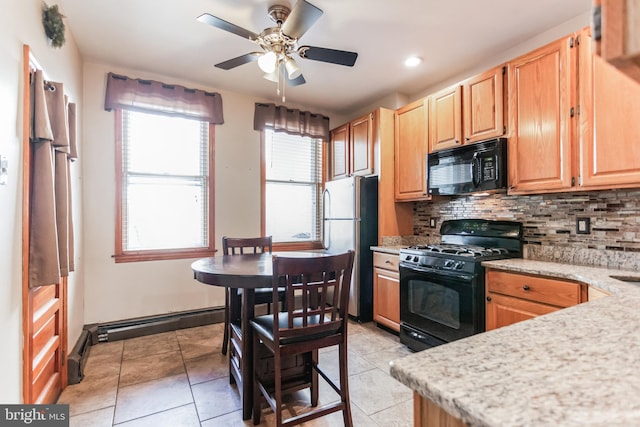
x=160 y=98
x=294 y=122
x=51 y=237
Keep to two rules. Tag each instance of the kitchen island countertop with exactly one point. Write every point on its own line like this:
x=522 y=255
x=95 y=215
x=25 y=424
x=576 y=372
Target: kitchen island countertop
x=579 y=366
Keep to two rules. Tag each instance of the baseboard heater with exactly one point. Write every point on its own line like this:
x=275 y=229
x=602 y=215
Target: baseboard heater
x=96 y=333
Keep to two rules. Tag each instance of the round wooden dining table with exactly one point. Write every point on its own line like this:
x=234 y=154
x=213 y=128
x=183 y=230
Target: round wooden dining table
x=246 y=272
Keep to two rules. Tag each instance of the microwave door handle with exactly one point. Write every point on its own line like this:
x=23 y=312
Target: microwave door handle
x=497 y=166
x=475 y=166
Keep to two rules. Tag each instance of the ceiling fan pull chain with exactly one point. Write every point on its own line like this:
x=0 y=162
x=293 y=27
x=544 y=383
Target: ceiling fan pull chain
x=284 y=83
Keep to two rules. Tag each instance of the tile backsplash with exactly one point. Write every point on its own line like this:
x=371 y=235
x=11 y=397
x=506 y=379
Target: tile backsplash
x=549 y=221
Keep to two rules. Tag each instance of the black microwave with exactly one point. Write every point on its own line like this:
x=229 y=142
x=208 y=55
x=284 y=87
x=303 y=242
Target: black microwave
x=469 y=168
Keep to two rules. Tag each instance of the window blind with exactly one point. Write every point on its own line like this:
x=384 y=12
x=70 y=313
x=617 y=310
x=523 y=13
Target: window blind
x=293 y=175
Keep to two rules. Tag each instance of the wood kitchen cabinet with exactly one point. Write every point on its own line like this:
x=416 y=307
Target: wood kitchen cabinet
x=352 y=148
x=619 y=42
x=513 y=297
x=608 y=147
x=468 y=112
x=394 y=218
x=339 y=152
x=541 y=101
x=386 y=290
x=483 y=103
x=573 y=121
x=427 y=413
x=445 y=118
x=411 y=146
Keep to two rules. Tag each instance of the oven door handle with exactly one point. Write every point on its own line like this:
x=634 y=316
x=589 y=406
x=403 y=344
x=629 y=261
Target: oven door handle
x=408 y=269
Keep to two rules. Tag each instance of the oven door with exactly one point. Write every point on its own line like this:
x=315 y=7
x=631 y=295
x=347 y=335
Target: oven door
x=445 y=304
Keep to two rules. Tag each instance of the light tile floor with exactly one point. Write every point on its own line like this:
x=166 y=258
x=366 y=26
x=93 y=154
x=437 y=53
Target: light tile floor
x=180 y=379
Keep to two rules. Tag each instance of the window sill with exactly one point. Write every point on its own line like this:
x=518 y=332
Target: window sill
x=139 y=256
x=297 y=246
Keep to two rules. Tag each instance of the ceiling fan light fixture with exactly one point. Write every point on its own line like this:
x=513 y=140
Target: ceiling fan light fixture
x=267 y=62
x=272 y=76
x=293 y=70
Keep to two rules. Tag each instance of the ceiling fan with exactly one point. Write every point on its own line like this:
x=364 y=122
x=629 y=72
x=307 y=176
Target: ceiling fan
x=280 y=43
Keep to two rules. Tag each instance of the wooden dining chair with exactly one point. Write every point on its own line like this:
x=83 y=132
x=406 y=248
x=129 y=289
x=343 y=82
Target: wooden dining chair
x=320 y=287
x=239 y=246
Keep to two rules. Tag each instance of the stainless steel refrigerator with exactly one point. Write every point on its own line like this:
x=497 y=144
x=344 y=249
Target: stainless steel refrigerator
x=350 y=221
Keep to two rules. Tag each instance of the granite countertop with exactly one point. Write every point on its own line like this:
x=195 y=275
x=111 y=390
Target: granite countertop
x=392 y=249
x=579 y=366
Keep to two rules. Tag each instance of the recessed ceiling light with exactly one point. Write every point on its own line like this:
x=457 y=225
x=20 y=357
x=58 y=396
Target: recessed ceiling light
x=412 y=61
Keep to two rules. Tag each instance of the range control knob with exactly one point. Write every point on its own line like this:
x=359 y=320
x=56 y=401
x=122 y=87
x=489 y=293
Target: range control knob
x=449 y=264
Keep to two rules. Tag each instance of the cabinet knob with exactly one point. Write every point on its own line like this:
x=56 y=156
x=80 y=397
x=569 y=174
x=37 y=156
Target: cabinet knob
x=387 y=262
x=526 y=287
x=488 y=298
x=467 y=138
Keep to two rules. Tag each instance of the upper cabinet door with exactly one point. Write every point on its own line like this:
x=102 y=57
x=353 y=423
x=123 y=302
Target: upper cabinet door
x=620 y=35
x=411 y=151
x=361 y=147
x=541 y=92
x=482 y=106
x=609 y=123
x=445 y=118
x=339 y=152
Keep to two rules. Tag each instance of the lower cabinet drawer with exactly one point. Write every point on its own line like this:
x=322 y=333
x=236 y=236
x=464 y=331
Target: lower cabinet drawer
x=561 y=293
x=387 y=261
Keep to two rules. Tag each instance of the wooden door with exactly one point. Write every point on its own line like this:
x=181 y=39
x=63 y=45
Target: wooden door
x=609 y=125
x=541 y=92
x=339 y=152
x=411 y=139
x=445 y=118
x=386 y=298
x=483 y=106
x=503 y=310
x=361 y=145
x=44 y=309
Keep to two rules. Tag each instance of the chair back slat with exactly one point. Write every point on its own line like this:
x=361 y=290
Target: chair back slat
x=312 y=281
x=242 y=245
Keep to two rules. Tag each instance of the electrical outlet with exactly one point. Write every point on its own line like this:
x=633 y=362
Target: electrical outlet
x=433 y=222
x=583 y=226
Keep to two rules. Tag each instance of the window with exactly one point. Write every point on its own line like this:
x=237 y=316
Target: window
x=164 y=197
x=292 y=171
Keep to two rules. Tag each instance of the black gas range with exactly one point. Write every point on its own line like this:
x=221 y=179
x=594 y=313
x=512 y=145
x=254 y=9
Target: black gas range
x=442 y=285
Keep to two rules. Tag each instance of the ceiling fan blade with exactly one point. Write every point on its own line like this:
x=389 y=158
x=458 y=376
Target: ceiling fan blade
x=340 y=57
x=302 y=17
x=207 y=18
x=240 y=60
x=297 y=81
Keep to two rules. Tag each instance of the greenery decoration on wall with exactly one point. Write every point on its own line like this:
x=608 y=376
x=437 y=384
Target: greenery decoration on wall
x=53 y=25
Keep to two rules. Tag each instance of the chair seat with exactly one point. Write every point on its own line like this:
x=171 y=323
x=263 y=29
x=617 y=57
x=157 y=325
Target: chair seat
x=263 y=325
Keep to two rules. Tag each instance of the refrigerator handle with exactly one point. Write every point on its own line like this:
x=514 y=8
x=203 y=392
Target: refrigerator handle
x=326 y=196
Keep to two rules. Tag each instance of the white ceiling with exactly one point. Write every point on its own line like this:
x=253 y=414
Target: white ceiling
x=163 y=37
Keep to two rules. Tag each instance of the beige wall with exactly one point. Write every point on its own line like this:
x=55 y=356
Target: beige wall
x=20 y=23
x=127 y=290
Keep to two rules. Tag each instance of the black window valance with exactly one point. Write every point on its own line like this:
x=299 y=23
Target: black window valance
x=295 y=122
x=160 y=98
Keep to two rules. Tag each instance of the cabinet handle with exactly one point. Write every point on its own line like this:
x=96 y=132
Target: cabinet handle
x=526 y=287
x=387 y=262
x=489 y=298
